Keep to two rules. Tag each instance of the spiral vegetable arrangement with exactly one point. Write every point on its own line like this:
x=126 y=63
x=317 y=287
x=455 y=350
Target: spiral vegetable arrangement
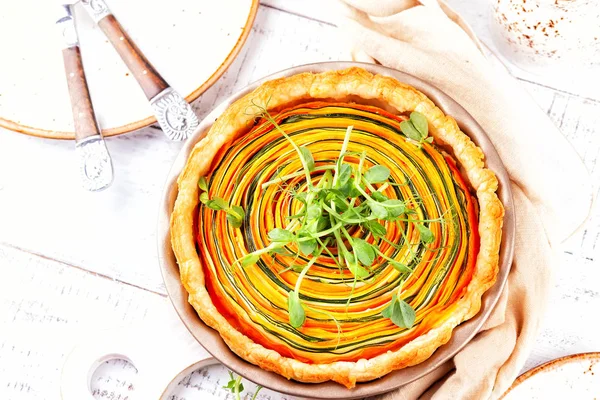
x=335 y=232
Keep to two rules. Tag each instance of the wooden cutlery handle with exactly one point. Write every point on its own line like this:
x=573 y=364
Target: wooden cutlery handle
x=150 y=81
x=81 y=103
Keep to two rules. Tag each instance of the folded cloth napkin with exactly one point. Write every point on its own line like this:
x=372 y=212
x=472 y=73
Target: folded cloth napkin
x=551 y=187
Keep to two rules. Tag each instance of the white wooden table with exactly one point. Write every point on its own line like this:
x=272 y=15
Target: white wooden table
x=73 y=261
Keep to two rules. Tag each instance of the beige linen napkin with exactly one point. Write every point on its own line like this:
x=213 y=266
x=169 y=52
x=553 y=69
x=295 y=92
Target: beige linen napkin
x=551 y=187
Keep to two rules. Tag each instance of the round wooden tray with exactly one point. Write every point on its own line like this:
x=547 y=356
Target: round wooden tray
x=210 y=338
x=191 y=44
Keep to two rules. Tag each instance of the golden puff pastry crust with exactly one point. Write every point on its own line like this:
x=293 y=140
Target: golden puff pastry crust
x=337 y=86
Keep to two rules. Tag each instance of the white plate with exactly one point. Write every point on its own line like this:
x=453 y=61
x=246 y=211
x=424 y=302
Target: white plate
x=571 y=377
x=190 y=42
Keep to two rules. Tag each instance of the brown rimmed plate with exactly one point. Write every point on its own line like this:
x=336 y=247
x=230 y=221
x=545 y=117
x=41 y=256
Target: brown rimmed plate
x=574 y=377
x=191 y=44
x=211 y=340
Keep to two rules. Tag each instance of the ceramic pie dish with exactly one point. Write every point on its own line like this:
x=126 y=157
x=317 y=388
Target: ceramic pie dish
x=437 y=259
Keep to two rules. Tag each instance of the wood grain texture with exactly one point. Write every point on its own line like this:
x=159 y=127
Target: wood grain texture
x=84 y=118
x=97 y=264
x=146 y=75
x=45 y=306
x=328 y=12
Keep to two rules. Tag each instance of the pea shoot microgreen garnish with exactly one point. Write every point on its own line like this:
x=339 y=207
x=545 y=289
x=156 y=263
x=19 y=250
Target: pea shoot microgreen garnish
x=236 y=386
x=340 y=200
x=400 y=313
x=235 y=214
x=416 y=128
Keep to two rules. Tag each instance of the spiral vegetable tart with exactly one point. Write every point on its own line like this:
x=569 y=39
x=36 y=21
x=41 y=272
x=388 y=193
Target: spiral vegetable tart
x=327 y=239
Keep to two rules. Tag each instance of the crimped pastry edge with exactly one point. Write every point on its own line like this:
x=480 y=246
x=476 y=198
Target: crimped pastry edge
x=337 y=84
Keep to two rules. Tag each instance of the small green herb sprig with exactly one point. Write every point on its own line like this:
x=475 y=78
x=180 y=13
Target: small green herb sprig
x=235 y=214
x=347 y=195
x=416 y=129
x=236 y=386
x=400 y=312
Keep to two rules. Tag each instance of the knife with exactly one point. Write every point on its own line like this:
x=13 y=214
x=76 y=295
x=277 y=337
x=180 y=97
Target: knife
x=96 y=169
x=173 y=113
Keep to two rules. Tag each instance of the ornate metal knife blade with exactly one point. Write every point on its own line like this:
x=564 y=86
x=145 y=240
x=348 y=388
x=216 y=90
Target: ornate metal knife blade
x=173 y=113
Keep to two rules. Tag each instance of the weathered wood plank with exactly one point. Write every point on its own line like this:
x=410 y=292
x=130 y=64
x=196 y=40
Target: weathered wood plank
x=566 y=328
x=45 y=306
x=579 y=120
x=323 y=11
